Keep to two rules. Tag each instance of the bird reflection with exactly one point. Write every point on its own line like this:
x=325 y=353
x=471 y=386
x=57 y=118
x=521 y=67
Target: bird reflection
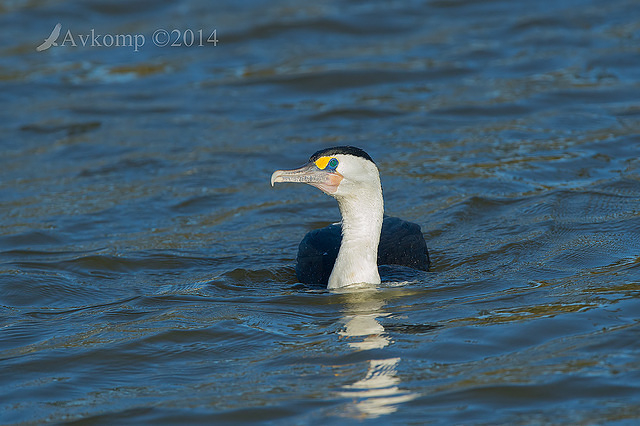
x=379 y=392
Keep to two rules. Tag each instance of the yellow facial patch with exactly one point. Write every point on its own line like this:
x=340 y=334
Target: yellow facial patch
x=322 y=162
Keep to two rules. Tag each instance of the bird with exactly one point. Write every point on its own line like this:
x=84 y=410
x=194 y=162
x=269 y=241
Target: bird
x=348 y=254
x=51 y=40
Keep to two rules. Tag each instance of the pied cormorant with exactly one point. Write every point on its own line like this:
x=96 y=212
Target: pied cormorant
x=368 y=239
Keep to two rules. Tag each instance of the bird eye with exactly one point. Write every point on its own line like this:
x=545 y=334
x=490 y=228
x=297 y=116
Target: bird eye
x=333 y=163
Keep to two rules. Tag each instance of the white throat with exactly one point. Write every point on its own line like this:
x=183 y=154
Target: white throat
x=357 y=260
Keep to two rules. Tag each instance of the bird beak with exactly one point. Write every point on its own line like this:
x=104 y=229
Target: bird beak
x=325 y=180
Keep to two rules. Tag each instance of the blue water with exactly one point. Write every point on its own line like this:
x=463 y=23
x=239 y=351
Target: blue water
x=146 y=266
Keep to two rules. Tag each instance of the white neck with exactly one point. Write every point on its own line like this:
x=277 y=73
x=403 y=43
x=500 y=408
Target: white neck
x=357 y=260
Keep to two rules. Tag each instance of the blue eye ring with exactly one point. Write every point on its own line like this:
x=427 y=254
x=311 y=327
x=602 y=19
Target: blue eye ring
x=333 y=163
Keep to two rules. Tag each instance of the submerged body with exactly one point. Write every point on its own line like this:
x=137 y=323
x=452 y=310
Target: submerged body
x=401 y=243
x=350 y=176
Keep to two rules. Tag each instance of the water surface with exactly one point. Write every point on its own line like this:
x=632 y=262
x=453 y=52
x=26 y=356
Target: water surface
x=146 y=266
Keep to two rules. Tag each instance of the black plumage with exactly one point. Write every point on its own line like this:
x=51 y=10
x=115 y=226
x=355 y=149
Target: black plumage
x=345 y=150
x=401 y=243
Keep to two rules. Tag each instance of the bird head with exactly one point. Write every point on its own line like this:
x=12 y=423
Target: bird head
x=340 y=172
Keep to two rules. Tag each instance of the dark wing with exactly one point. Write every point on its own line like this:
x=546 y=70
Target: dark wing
x=401 y=243
x=317 y=253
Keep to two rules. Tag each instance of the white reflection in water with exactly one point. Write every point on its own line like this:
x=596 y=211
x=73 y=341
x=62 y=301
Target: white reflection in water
x=379 y=392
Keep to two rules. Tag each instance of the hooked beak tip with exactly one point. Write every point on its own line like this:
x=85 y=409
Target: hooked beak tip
x=276 y=177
